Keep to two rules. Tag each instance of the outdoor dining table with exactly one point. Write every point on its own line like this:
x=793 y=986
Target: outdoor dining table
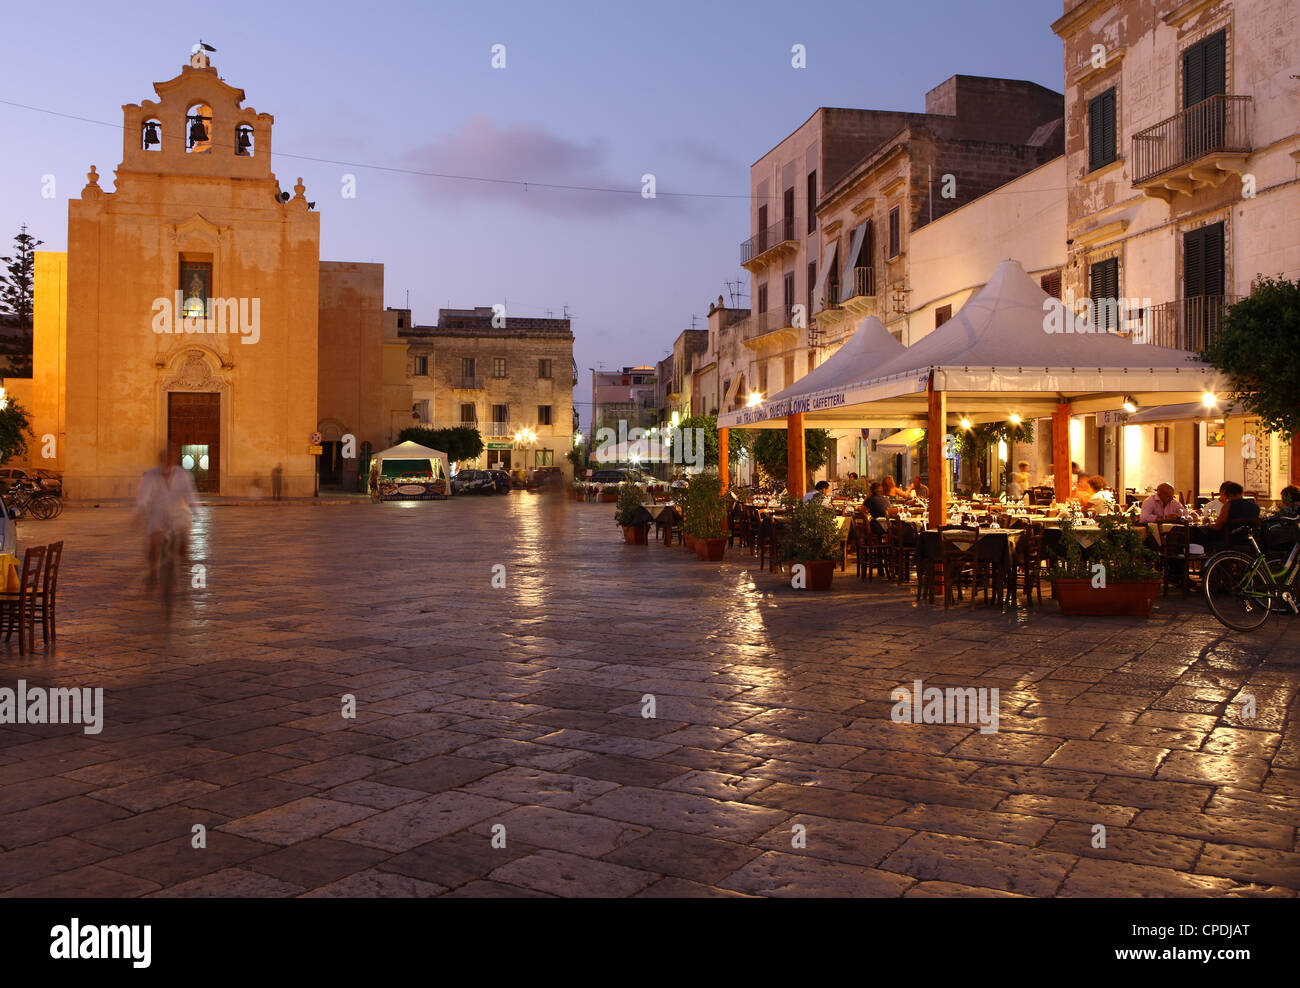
x=997 y=547
x=8 y=572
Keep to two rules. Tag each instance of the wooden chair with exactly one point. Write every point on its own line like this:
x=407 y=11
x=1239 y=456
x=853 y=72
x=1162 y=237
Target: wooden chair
x=900 y=551
x=46 y=599
x=19 y=606
x=959 y=565
x=873 y=551
x=929 y=565
x=1177 y=561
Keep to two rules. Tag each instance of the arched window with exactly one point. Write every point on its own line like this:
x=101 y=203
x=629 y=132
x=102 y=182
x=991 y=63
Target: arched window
x=244 y=141
x=151 y=135
x=198 y=129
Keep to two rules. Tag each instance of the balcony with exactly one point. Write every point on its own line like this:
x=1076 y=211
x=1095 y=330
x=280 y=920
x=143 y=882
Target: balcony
x=1194 y=149
x=468 y=384
x=1184 y=324
x=862 y=299
x=776 y=241
x=772 y=328
x=497 y=429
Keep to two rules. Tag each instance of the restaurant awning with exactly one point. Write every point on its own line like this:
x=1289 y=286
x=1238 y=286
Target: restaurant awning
x=870 y=346
x=1011 y=349
x=901 y=442
x=1191 y=411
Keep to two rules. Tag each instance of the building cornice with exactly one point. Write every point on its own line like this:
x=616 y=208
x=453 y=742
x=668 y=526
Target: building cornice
x=1069 y=23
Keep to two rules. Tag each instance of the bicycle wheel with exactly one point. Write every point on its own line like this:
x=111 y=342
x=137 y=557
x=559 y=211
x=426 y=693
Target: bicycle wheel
x=40 y=508
x=1237 y=593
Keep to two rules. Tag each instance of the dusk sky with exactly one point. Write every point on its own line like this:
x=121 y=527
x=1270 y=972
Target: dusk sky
x=593 y=94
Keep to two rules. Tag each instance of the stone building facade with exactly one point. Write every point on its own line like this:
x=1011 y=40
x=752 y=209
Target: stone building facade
x=510 y=377
x=186 y=314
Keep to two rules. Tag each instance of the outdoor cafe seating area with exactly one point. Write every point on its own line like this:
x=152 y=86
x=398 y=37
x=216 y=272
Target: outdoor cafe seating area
x=30 y=594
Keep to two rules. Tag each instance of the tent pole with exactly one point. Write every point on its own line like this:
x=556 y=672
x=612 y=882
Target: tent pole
x=1061 y=451
x=796 y=473
x=724 y=457
x=938 y=427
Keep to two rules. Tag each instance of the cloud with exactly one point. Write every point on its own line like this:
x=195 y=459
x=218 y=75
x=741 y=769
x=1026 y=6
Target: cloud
x=484 y=149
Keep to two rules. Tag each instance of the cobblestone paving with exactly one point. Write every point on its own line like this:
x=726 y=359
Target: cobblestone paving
x=481 y=707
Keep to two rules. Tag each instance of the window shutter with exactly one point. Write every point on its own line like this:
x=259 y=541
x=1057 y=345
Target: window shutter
x=1194 y=263
x=1108 y=126
x=1215 y=65
x=1193 y=75
x=1094 y=134
x=1213 y=259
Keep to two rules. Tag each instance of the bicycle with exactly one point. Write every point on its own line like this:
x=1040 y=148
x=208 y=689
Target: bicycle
x=27 y=498
x=1243 y=590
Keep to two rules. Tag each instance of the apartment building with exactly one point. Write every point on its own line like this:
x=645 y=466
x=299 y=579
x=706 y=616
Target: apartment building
x=625 y=395
x=510 y=377
x=1182 y=149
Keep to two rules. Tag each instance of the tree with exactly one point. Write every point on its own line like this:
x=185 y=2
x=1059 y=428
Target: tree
x=16 y=297
x=771 y=452
x=974 y=443
x=461 y=443
x=1256 y=348
x=15 y=427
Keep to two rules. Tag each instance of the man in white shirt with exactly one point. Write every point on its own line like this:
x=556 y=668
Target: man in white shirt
x=818 y=493
x=165 y=501
x=1162 y=506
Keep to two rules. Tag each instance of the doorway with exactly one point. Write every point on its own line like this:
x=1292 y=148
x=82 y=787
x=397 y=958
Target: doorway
x=194 y=437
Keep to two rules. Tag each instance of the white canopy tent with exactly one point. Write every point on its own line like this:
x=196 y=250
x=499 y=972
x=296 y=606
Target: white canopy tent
x=870 y=347
x=1191 y=411
x=411 y=459
x=1011 y=349
x=633 y=451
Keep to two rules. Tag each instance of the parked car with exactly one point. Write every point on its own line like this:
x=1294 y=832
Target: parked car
x=608 y=476
x=545 y=478
x=502 y=480
x=45 y=479
x=474 y=482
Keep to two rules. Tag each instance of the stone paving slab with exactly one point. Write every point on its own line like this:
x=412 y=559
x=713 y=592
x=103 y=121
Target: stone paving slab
x=771 y=767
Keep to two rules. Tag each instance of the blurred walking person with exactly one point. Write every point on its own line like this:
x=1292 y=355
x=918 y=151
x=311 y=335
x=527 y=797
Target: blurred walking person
x=166 y=501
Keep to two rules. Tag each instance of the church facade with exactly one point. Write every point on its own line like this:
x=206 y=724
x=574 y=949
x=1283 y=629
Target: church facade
x=191 y=313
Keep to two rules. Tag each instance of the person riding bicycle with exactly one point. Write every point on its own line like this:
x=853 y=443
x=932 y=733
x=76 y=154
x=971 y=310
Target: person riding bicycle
x=165 y=500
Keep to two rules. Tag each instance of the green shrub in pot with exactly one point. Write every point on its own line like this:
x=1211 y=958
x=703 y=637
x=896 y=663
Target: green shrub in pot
x=704 y=513
x=814 y=533
x=630 y=499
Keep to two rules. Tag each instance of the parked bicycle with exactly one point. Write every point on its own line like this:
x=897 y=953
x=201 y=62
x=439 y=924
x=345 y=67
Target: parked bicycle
x=26 y=498
x=1242 y=589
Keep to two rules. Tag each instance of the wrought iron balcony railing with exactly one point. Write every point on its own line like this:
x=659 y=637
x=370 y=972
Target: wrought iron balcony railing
x=765 y=240
x=1183 y=324
x=1220 y=124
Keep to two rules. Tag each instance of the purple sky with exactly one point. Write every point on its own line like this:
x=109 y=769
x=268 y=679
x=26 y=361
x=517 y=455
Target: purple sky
x=593 y=94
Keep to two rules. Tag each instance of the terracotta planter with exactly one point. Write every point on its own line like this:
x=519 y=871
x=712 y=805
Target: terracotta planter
x=1130 y=598
x=634 y=534
x=819 y=573
x=688 y=540
x=710 y=550
x=608 y=497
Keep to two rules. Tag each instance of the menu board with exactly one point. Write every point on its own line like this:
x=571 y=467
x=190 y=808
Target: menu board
x=1256 y=469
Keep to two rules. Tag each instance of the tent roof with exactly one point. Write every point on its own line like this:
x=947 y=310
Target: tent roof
x=645 y=450
x=1184 y=412
x=1005 y=351
x=408 y=450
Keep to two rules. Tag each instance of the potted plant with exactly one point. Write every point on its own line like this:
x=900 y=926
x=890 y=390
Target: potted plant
x=609 y=494
x=1119 y=576
x=704 y=516
x=814 y=543
x=625 y=514
x=577 y=490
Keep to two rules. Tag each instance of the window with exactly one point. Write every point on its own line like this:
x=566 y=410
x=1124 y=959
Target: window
x=762 y=297
x=787 y=291
x=1205 y=70
x=421 y=409
x=400 y=322
x=195 y=286
x=762 y=378
x=468 y=414
x=1101 y=130
x=544 y=458
x=812 y=283
x=421 y=367
x=895 y=232
x=762 y=229
x=543 y=414
x=942 y=315
x=544 y=368
x=500 y=413
x=498 y=366
x=467 y=368
x=1104 y=289
x=812 y=202
x=1051 y=283
x=789 y=372
x=1203 y=261
x=787 y=231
